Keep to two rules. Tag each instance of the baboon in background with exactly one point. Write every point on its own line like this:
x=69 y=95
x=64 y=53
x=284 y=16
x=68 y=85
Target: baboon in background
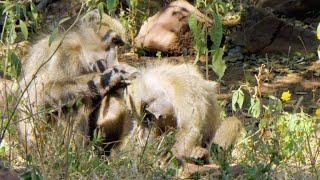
x=70 y=77
x=177 y=96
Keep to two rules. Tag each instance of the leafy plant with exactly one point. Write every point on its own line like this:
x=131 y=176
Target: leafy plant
x=201 y=32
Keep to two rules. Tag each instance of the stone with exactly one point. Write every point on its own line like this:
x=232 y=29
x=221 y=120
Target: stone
x=262 y=32
x=291 y=8
x=168 y=30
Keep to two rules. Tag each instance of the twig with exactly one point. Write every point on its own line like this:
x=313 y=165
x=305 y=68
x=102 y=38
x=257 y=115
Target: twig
x=297 y=105
x=248 y=137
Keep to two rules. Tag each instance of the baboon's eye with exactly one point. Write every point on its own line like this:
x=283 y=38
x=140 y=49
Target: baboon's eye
x=117 y=40
x=112 y=38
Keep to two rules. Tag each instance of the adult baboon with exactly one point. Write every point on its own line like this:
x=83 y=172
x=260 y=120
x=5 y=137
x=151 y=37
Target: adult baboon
x=177 y=96
x=69 y=86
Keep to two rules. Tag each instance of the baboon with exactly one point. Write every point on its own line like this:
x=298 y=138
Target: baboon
x=177 y=96
x=112 y=117
x=69 y=85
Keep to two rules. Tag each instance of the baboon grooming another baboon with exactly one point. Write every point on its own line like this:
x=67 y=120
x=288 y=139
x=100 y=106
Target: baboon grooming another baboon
x=177 y=96
x=69 y=86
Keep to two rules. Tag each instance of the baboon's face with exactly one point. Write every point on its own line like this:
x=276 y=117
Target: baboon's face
x=111 y=40
x=112 y=34
x=104 y=24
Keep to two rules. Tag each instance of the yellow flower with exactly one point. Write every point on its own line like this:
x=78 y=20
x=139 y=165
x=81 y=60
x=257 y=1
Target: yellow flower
x=318 y=112
x=286 y=96
x=318 y=35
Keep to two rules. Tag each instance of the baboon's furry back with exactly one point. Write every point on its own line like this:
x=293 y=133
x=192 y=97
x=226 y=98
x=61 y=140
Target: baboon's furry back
x=80 y=50
x=79 y=70
x=177 y=96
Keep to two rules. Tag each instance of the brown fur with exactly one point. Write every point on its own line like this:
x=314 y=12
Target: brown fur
x=177 y=96
x=70 y=76
x=228 y=132
x=113 y=119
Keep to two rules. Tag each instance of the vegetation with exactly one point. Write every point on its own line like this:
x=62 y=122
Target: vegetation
x=280 y=137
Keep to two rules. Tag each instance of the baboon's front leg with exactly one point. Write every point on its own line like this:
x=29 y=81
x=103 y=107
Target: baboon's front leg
x=59 y=93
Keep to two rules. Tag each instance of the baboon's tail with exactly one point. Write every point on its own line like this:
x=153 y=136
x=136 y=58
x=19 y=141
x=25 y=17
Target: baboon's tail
x=228 y=132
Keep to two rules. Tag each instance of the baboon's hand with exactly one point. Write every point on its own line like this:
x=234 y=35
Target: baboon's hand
x=127 y=72
x=200 y=153
x=117 y=76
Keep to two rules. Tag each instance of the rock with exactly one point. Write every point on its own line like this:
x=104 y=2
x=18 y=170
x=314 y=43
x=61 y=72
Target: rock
x=261 y=31
x=168 y=30
x=188 y=169
x=292 y=8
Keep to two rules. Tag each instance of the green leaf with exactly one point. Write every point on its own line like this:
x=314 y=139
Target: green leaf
x=34 y=11
x=199 y=39
x=7 y=9
x=53 y=36
x=292 y=124
x=193 y=25
x=240 y=99
x=18 y=8
x=255 y=108
x=5 y=122
x=216 y=32
x=100 y=9
x=275 y=104
x=10 y=98
x=16 y=63
x=234 y=100
x=159 y=54
x=24 y=29
x=64 y=20
x=263 y=123
x=237 y=98
x=97 y=136
x=111 y=4
x=2 y=150
x=24 y=9
x=218 y=65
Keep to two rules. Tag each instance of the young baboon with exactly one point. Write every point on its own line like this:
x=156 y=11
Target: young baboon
x=58 y=84
x=177 y=96
x=112 y=117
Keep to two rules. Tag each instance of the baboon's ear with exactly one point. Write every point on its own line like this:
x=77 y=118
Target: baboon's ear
x=91 y=17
